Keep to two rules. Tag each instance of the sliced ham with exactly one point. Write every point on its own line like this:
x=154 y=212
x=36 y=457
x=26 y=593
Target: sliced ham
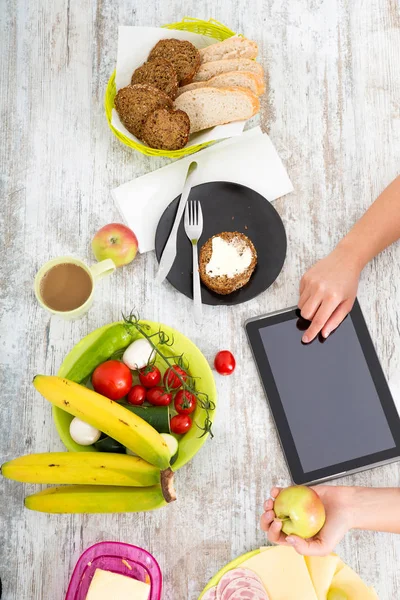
x=242 y=583
x=249 y=594
x=210 y=594
x=231 y=576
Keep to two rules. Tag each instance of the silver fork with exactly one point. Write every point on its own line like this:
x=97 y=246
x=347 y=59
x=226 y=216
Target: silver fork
x=194 y=229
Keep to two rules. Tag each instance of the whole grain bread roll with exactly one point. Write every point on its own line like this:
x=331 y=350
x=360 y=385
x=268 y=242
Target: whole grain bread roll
x=159 y=73
x=224 y=284
x=134 y=103
x=166 y=129
x=183 y=55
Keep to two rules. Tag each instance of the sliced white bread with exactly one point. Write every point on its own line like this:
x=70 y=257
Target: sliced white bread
x=216 y=67
x=208 y=107
x=233 y=47
x=243 y=79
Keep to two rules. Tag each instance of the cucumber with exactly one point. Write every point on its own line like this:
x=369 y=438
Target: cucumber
x=108 y=444
x=172 y=444
x=156 y=416
x=117 y=337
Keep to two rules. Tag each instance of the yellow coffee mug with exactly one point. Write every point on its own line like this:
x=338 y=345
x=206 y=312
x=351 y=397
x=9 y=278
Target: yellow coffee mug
x=95 y=272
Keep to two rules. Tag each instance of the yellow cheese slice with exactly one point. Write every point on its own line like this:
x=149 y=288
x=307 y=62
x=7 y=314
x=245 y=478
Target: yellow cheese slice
x=283 y=573
x=346 y=580
x=113 y=586
x=322 y=570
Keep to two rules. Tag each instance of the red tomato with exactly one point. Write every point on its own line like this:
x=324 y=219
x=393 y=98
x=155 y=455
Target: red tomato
x=113 y=379
x=185 y=402
x=171 y=380
x=137 y=395
x=225 y=362
x=158 y=396
x=150 y=376
x=180 y=424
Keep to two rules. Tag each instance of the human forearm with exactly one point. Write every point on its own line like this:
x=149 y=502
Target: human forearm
x=329 y=288
x=377 y=509
x=377 y=229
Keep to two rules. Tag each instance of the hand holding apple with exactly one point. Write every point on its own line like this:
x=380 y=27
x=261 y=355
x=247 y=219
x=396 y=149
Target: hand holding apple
x=115 y=241
x=301 y=511
x=340 y=504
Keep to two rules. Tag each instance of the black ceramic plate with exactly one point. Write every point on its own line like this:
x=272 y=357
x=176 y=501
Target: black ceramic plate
x=227 y=207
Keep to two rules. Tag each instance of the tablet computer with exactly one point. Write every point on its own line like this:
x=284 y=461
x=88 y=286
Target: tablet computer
x=330 y=400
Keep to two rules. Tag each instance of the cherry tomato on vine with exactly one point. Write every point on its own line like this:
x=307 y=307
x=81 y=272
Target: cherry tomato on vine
x=112 y=379
x=137 y=395
x=185 y=402
x=158 y=396
x=180 y=424
x=171 y=379
x=150 y=376
x=224 y=362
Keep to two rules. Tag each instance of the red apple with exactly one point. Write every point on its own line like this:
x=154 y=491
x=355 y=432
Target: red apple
x=301 y=511
x=115 y=241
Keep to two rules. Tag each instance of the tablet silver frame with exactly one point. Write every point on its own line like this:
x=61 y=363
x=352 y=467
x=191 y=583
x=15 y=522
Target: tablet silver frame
x=321 y=479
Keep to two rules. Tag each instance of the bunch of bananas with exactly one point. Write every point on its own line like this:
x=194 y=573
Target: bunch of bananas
x=101 y=482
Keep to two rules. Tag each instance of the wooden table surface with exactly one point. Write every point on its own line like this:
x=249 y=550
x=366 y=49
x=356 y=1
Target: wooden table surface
x=333 y=112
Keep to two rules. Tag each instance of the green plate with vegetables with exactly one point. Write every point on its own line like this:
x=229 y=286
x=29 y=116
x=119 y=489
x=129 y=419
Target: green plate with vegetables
x=170 y=348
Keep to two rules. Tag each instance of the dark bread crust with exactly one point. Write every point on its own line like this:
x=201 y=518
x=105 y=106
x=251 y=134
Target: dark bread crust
x=166 y=129
x=184 y=57
x=159 y=73
x=134 y=103
x=223 y=284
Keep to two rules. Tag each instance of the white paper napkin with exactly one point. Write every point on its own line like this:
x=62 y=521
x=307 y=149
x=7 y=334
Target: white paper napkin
x=134 y=45
x=250 y=160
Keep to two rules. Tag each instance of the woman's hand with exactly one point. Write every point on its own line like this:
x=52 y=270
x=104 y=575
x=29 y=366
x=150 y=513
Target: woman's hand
x=339 y=507
x=328 y=291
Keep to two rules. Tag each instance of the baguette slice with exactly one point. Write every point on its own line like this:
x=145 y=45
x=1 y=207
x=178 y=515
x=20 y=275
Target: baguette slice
x=208 y=107
x=243 y=79
x=216 y=67
x=233 y=47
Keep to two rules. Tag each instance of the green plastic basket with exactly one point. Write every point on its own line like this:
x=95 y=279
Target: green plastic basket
x=210 y=28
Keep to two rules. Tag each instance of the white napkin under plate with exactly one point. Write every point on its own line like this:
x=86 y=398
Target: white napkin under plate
x=250 y=160
x=134 y=45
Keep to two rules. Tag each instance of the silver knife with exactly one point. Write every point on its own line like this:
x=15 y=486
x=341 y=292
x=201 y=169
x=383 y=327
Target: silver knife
x=169 y=253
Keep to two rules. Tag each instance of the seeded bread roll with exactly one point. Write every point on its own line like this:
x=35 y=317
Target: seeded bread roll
x=134 y=103
x=233 y=47
x=184 y=57
x=222 y=284
x=215 y=67
x=242 y=79
x=166 y=129
x=159 y=73
x=208 y=107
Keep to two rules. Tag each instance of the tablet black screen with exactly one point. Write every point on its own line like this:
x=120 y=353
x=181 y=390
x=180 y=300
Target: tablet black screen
x=330 y=399
x=328 y=394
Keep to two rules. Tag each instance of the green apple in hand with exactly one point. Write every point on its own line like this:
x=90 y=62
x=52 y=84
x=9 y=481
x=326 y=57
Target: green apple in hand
x=301 y=511
x=115 y=241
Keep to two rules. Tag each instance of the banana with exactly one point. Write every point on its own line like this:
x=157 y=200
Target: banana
x=102 y=499
x=95 y=468
x=108 y=416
